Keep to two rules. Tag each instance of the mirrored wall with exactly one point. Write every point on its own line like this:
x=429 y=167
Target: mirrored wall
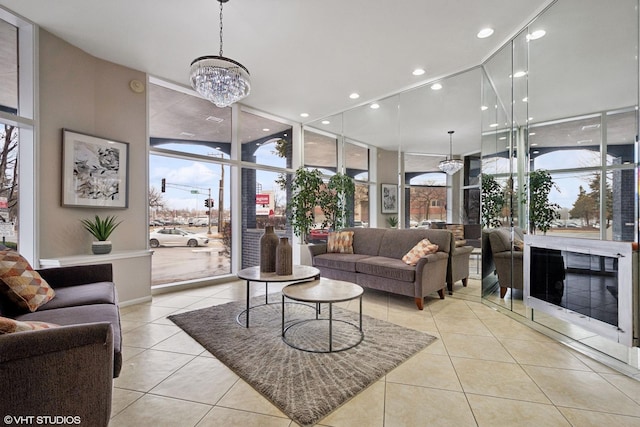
x=559 y=126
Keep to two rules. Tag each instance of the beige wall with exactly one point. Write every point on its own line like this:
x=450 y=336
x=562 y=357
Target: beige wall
x=88 y=95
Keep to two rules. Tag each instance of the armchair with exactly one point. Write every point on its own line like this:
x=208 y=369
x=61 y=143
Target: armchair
x=458 y=267
x=507 y=258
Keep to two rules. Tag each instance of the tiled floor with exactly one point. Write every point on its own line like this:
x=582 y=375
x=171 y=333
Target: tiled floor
x=486 y=369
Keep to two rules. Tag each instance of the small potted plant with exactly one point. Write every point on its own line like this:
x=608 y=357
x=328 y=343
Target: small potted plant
x=101 y=229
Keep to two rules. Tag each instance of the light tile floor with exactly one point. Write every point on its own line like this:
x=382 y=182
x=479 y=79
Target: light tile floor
x=485 y=369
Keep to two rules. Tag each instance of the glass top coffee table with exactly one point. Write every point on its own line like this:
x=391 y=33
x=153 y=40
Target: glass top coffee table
x=253 y=274
x=317 y=292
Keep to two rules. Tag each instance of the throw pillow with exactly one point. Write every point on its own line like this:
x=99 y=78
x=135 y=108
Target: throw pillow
x=8 y=326
x=21 y=283
x=340 y=242
x=518 y=245
x=422 y=248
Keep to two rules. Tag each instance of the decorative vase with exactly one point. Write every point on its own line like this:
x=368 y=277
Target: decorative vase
x=268 y=245
x=101 y=248
x=284 y=258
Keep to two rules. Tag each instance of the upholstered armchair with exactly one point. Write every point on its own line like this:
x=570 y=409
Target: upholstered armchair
x=458 y=268
x=507 y=257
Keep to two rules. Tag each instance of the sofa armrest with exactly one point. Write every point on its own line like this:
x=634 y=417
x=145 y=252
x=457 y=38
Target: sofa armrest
x=317 y=249
x=59 y=277
x=59 y=371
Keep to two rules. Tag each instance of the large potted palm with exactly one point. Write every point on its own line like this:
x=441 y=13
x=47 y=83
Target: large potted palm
x=306 y=188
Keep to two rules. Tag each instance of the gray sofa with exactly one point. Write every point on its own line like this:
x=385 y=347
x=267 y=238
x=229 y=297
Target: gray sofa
x=67 y=370
x=377 y=261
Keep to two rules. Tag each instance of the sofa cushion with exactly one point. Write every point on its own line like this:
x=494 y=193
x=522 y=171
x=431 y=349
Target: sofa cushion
x=396 y=243
x=422 y=248
x=344 y=262
x=390 y=268
x=366 y=241
x=21 y=284
x=340 y=242
x=82 y=314
x=8 y=326
x=91 y=293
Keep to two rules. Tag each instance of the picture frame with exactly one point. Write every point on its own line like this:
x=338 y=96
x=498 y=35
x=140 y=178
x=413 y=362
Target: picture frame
x=389 y=198
x=95 y=171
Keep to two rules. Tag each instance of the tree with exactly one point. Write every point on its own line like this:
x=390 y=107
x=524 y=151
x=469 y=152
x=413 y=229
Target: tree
x=9 y=169
x=492 y=201
x=334 y=201
x=421 y=198
x=155 y=199
x=594 y=186
x=541 y=211
x=585 y=206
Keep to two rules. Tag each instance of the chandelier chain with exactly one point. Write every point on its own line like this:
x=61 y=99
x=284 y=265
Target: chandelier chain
x=221 y=29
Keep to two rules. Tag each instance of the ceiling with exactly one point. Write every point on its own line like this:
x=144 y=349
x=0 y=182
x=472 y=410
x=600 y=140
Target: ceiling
x=303 y=56
x=308 y=56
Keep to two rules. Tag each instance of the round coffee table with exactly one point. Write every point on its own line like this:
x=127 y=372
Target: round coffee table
x=253 y=274
x=320 y=291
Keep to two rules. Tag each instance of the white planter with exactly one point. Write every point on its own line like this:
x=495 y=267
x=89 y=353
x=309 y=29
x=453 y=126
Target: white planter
x=101 y=248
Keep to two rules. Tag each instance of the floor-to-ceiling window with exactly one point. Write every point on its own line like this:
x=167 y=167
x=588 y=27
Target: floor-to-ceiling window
x=17 y=142
x=189 y=186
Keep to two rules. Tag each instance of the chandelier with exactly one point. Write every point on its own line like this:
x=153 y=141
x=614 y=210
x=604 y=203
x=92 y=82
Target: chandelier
x=450 y=166
x=221 y=80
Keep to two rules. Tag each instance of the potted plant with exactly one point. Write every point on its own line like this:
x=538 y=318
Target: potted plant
x=334 y=201
x=306 y=186
x=392 y=221
x=541 y=211
x=492 y=201
x=101 y=229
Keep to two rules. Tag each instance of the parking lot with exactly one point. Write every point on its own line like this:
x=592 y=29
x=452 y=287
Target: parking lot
x=179 y=263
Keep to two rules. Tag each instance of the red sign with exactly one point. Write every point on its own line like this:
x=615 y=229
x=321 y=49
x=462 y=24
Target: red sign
x=262 y=199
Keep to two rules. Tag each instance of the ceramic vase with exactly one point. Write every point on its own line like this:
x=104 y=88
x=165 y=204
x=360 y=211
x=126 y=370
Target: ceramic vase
x=268 y=245
x=284 y=258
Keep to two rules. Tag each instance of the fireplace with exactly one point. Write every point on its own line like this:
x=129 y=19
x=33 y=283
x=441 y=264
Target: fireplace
x=588 y=283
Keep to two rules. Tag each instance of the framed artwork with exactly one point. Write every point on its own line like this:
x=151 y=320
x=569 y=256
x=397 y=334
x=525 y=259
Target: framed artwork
x=389 y=198
x=94 y=171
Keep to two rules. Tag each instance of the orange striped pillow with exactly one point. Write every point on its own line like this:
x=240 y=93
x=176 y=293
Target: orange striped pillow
x=422 y=248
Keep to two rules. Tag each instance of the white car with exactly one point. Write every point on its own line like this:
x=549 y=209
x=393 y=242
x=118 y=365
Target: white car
x=176 y=237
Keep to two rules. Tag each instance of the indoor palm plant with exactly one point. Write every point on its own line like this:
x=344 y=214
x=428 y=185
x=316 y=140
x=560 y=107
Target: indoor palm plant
x=101 y=229
x=306 y=186
x=335 y=198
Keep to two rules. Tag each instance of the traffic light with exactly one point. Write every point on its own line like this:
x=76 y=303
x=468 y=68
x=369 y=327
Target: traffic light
x=164 y=182
x=210 y=203
x=206 y=203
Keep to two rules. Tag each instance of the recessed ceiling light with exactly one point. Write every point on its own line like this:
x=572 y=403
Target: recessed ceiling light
x=214 y=119
x=304 y=114
x=266 y=130
x=531 y=134
x=354 y=95
x=591 y=127
x=187 y=134
x=325 y=122
x=484 y=33
x=493 y=125
x=536 y=152
x=436 y=86
x=584 y=141
x=484 y=108
x=418 y=72
x=374 y=106
x=519 y=74
x=502 y=138
x=525 y=99
x=538 y=34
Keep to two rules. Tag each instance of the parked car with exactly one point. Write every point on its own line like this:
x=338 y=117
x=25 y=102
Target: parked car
x=318 y=235
x=176 y=237
x=432 y=223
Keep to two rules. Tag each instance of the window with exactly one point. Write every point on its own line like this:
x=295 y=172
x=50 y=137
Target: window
x=189 y=187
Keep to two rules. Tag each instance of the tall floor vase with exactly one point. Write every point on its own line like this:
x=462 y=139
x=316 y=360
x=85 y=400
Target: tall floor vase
x=284 y=258
x=268 y=245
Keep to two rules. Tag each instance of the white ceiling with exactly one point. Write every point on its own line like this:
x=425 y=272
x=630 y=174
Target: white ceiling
x=308 y=56
x=304 y=56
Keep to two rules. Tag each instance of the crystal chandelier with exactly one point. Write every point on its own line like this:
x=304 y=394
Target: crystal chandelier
x=221 y=80
x=450 y=165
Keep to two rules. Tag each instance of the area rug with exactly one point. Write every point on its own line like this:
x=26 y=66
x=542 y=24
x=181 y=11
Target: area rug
x=305 y=386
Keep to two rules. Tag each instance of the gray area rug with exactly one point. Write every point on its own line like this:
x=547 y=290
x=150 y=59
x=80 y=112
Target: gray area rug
x=305 y=386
